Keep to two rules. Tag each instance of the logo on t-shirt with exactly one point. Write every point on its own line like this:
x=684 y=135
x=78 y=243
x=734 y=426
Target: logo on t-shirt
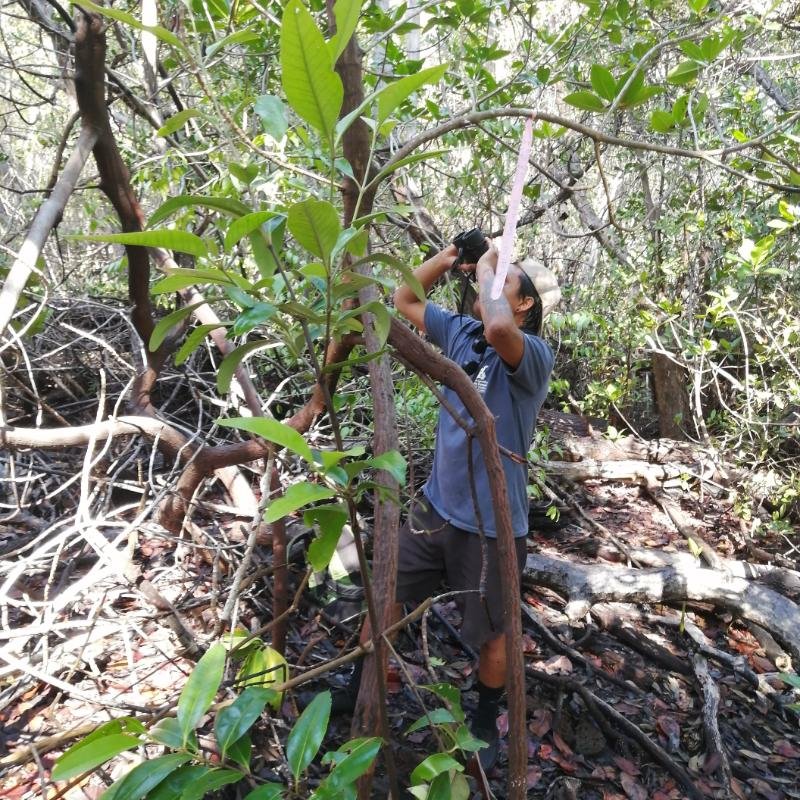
x=480 y=380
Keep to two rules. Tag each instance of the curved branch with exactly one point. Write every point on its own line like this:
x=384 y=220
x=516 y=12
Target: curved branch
x=474 y=118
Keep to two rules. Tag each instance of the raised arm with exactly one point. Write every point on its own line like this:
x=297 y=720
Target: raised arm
x=407 y=303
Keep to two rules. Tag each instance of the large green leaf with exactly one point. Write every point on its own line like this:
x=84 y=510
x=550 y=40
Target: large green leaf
x=144 y=777
x=168 y=732
x=177 y=121
x=349 y=769
x=173 y=785
x=297 y=496
x=194 y=339
x=234 y=721
x=311 y=86
x=585 y=100
x=315 y=224
x=308 y=732
x=225 y=204
x=331 y=520
x=391 y=96
x=401 y=266
x=231 y=362
x=684 y=73
x=391 y=461
x=209 y=782
x=165 y=325
x=86 y=755
x=273 y=115
x=346 y=13
x=603 y=82
x=245 y=225
x=434 y=765
x=182 y=241
x=180 y=277
x=273 y=431
x=200 y=689
x=264 y=667
x=437 y=716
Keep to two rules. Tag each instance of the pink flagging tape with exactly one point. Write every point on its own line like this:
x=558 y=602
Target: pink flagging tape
x=510 y=227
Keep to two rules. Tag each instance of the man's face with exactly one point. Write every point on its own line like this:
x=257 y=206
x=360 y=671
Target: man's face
x=510 y=292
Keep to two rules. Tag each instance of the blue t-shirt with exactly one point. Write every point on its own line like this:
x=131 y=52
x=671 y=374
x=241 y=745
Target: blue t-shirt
x=514 y=396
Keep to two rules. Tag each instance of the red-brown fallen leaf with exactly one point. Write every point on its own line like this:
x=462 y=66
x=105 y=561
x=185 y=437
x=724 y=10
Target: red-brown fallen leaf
x=785 y=748
x=534 y=776
x=633 y=789
x=609 y=795
x=628 y=767
x=745 y=648
x=502 y=724
x=604 y=773
x=712 y=763
x=528 y=645
x=555 y=665
x=567 y=763
x=669 y=727
x=627 y=709
x=738 y=789
x=561 y=744
x=541 y=722
x=761 y=664
x=764 y=789
x=544 y=751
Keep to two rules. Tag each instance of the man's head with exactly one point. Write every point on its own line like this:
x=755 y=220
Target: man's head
x=532 y=293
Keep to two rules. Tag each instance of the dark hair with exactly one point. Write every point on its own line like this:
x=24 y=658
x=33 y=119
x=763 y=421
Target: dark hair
x=533 y=319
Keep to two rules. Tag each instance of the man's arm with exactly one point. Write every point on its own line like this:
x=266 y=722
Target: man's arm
x=407 y=303
x=499 y=326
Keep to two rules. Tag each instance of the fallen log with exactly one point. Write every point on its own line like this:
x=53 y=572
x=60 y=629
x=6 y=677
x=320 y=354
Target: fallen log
x=587 y=584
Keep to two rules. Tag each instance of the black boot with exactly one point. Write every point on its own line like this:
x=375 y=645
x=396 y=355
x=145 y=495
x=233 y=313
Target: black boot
x=343 y=701
x=484 y=724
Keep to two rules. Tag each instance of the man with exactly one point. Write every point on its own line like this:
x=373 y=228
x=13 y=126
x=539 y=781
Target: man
x=510 y=366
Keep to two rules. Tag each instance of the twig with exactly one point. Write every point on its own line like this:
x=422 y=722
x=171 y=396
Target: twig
x=715 y=749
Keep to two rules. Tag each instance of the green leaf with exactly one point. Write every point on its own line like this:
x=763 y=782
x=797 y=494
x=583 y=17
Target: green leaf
x=129 y=19
x=440 y=788
x=165 y=325
x=315 y=224
x=331 y=520
x=603 y=82
x=168 y=732
x=349 y=240
x=434 y=765
x=177 y=121
x=200 y=689
x=684 y=73
x=404 y=162
x=308 y=732
x=273 y=115
x=662 y=121
x=194 y=339
x=233 y=721
x=268 y=791
x=173 y=785
x=245 y=225
x=272 y=431
x=85 y=756
x=238 y=37
x=209 y=782
x=256 y=315
x=144 y=777
x=311 y=86
x=182 y=241
x=392 y=462
x=692 y=50
x=239 y=752
x=585 y=100
x=231 y=363
x=437 y=716
x=698 y=5
x=392 y=95
x=635 y=97
x=381 y=319
x=297 y=496
x=792 y=680
x=225 y=204
x=265 y=667
x=352 y=766
x=179 y=278
x=346 y=13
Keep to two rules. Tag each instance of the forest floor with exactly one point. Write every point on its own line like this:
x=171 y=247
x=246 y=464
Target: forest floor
x=620 y=700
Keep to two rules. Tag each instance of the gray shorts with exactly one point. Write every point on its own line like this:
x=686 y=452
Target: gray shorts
x=432 y=551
